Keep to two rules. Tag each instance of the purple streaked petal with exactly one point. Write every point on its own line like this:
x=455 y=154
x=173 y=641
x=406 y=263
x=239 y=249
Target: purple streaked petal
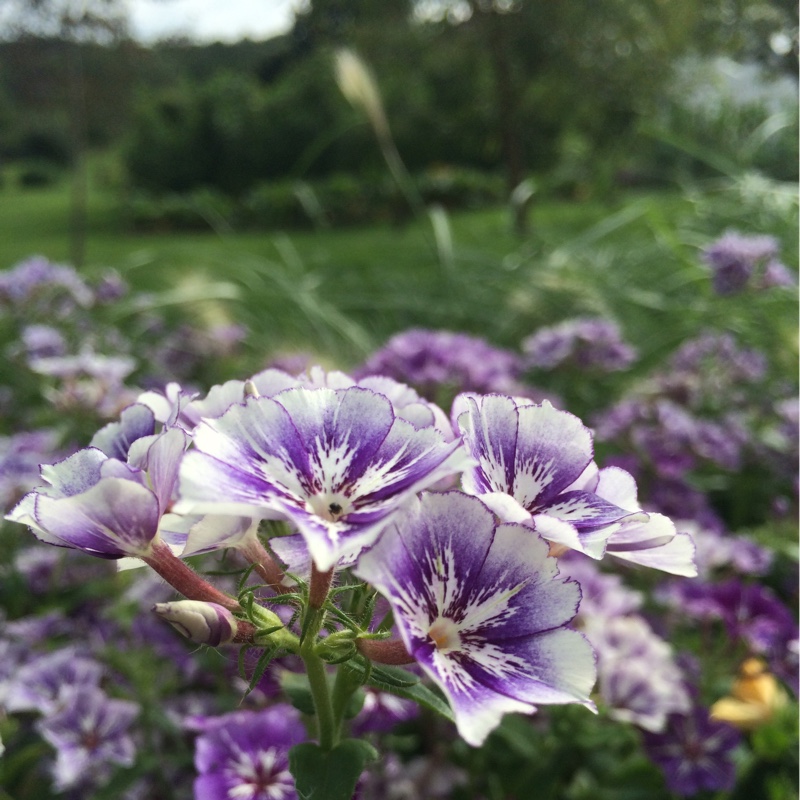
x=675 y=556
x=408 y=459
x=337 y=463
x=114 y=518
x=115 y=439
x=74 y=474
x=654 y=544
x=530 y=452
x=161 y=457
x=343 y=430
x=587 y=510
x=561 y=532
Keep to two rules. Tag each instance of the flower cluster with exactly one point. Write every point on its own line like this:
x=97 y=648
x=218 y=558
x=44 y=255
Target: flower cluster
x=706 y=409
x=737 y=261
x=369 y=529
x=361 y=474
x=585 y=343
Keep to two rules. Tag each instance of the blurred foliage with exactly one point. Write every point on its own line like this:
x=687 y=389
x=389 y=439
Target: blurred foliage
x=576 y=94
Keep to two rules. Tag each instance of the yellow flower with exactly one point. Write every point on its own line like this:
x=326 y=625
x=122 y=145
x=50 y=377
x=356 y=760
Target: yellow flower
x=755 y=697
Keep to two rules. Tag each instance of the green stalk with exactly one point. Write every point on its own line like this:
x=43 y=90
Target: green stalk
x=318 y=682
x=347 y=682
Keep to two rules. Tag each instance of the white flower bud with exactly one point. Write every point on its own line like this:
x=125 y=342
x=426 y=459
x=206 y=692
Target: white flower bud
x=205 y=623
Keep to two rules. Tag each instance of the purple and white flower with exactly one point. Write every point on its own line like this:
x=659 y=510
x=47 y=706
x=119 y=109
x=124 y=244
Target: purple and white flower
x=90 y=734
x=104 y=506
x=529 y=458
x=246 y=755
x=482 y=609
x=336 y=463
x=695 y=753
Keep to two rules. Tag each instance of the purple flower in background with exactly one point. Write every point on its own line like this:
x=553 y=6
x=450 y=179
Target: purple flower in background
x=20 y=457
x=638 y=677
x=482 y=609
x=602 y=594
x=528 y=458
x=37 y=685
x=584 y=342
x=42 y=341
x=695 y=753
x=38 y=276
x=778 y=274
x=430 y=360
x=90 y=733
x=245 y=755
x=381 y=712
x=337 y=464
x=734 y=259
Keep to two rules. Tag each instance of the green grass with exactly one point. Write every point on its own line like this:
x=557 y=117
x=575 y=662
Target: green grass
x=342 y=292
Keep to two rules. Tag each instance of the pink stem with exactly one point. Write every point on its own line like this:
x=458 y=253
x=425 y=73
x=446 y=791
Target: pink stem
x=183 y=578
x=264 y=564
x=320 y=585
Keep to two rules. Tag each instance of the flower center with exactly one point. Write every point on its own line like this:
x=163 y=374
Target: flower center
x=329 y=506
x=444 y=633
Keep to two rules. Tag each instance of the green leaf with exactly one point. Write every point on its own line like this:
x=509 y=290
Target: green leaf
x=332 y=774
x=403 y=684
x=298 y=691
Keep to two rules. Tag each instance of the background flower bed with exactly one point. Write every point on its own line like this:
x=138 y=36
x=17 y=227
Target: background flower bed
x=638 y=266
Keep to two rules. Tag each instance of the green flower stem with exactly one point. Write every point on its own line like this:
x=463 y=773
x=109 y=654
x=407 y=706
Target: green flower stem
x=347 y=682
x=318 y=681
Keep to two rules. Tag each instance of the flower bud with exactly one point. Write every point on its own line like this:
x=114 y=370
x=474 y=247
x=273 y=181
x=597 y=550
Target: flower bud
x=205 y=623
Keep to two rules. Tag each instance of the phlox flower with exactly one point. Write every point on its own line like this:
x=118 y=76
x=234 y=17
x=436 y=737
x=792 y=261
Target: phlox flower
x=528 y=459
x=336 y=463
x=90 y=734
x=104 y=506
x=482 y=609
x=245 y=755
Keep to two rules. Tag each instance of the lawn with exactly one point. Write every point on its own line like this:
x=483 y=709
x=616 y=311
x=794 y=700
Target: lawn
x=342 y=292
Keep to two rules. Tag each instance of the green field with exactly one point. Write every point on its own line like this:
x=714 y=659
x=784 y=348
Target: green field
x=340 y=293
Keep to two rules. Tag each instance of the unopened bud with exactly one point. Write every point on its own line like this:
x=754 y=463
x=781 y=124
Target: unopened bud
x=204 y=623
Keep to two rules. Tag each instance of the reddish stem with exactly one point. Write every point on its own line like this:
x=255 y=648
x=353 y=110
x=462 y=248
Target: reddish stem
x=383 y=651
x=264 y=564
x=320 y=585
x=183 y=578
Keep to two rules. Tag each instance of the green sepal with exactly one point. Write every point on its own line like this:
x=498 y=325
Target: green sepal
x=331 y=774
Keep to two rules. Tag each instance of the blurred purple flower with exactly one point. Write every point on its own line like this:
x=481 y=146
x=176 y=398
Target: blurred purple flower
x=43 y=341
x=584 y=343
x=778 y=274
x=246 y=754
x=637 y=674
x=20 y=457
x=734 y=259
x=430 y=360
x=38 y=276
x=381 y=712
x=90 y=733
x=37 y=686
x=694 y=752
